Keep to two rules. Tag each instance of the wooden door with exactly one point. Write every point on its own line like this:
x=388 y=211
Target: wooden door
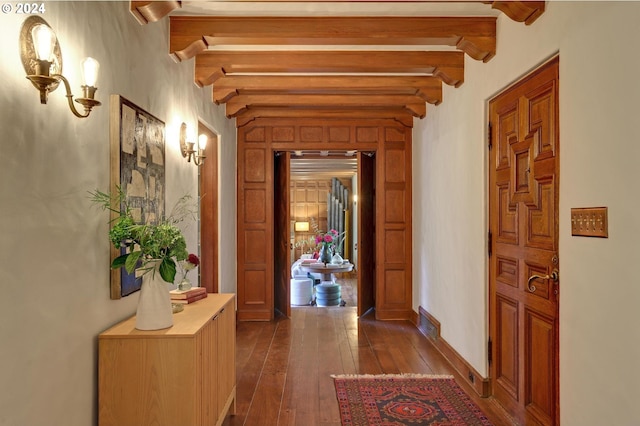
x=523 y=189
x=208 y=194
x=282 y=241
x=366 y=233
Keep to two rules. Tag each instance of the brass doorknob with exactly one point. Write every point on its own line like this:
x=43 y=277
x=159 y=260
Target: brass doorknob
x=532 y=288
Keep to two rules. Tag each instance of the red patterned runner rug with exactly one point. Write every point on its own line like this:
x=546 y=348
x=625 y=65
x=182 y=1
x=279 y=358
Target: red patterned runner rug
x=406 y=399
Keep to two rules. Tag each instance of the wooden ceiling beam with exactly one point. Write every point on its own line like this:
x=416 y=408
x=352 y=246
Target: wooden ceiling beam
x=414 y=104
x=152 y=11
x=427 y=88
x=520 y=11
x=448 y=66
x=190 y=35
x=401 y=115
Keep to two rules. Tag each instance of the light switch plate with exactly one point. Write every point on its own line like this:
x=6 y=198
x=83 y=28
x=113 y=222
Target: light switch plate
x=590 y=222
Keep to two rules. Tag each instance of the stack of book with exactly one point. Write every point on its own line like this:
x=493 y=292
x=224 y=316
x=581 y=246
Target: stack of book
x=188 y=296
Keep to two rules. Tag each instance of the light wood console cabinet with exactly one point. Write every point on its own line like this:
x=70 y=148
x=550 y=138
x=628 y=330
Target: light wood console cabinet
x=184 y=375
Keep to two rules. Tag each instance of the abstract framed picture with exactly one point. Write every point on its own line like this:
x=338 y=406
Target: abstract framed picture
x=137 y=145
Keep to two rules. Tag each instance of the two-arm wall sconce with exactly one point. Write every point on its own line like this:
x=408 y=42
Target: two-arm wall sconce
x=189 y=149
x=42 y=61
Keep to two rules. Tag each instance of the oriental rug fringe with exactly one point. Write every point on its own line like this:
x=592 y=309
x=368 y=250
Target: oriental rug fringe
x=405 y=399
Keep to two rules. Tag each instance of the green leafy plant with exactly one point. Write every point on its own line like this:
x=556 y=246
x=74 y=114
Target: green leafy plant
x=146 y=243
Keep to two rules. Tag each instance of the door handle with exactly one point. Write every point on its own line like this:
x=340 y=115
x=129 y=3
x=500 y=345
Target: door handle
x=532 y=288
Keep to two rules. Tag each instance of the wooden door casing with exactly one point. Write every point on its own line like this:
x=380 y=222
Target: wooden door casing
x=208 y=194
x=258 y=140
x=523 y=206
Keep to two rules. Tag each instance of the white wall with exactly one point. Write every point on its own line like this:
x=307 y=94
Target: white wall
x=54 y=251
x=599 y=287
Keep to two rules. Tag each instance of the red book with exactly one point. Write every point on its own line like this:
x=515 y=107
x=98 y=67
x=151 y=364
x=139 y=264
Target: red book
x=185 y=294
x=190 y=299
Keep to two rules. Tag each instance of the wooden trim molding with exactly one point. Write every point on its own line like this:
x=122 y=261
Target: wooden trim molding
x=429 y=326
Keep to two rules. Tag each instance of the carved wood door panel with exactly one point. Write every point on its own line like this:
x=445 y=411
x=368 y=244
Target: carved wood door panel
x=524 y=266
x=366 y=233
x=281 y=223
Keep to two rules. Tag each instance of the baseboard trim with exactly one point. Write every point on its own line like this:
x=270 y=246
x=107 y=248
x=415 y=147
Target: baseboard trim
x=429 y=326
x=254 y=316
x=394 y=314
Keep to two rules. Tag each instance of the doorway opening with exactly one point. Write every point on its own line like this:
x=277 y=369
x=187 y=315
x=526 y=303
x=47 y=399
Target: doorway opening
x=323 y=188
x=324 y=192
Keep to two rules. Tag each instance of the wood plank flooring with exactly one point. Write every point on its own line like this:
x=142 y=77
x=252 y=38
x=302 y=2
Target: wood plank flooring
x=284 y=366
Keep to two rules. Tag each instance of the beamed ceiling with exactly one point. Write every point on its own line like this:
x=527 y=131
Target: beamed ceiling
x=353 y=59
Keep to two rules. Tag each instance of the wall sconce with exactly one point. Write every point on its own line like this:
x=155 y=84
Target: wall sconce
x=301 y=226
x=189 y=150
x=42 y=61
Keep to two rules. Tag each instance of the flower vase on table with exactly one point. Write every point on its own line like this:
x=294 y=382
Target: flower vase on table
x=151 y=248
x=154 y=305
x=327 y=244
x=324 y=255
x=185 y=284
x=188 y=264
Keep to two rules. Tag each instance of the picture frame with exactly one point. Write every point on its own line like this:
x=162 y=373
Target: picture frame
x=137 y=165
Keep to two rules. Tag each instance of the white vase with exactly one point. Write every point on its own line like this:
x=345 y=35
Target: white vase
x=154 y=305
x=336 y=259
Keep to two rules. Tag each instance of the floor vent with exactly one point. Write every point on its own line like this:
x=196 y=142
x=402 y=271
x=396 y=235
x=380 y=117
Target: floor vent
x=428 y=325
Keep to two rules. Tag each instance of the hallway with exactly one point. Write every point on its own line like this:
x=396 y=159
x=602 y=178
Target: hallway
x=284 y=366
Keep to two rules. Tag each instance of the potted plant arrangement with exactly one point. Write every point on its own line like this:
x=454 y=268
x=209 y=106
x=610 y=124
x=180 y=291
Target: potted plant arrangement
x=328 y=242
x=152 y=250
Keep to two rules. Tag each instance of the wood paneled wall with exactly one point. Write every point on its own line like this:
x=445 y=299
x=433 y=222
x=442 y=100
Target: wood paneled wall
x=309 y=201
x=257 y=143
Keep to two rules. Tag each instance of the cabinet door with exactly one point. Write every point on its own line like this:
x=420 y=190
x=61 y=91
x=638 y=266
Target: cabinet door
x=226 y=355
x=208 y=377
x=142 y=384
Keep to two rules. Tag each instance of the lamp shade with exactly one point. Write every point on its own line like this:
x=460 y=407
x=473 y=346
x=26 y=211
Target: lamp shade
x=301 y=226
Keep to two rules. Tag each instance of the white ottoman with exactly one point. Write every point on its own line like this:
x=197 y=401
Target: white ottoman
x=301 y=291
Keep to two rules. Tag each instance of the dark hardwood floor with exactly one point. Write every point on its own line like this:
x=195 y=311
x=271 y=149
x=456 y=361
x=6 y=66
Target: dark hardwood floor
x=284 y=366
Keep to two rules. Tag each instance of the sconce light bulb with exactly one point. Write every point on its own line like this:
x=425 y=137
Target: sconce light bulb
x=43 y=41
x=90 y=69
x=202 y=142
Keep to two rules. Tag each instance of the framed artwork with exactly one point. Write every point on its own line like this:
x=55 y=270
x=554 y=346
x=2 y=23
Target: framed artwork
x=137 y=141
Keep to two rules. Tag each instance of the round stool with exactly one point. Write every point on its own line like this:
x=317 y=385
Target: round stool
x=328 y=294
x=301 y=291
